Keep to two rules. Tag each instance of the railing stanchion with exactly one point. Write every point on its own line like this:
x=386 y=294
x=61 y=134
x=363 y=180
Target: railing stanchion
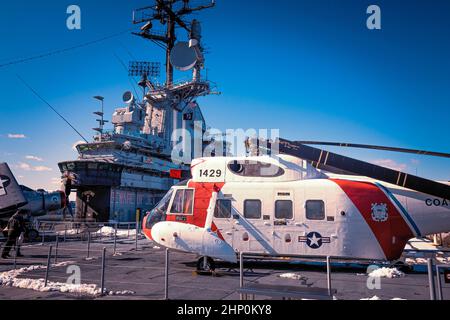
x=241 y=272
x=166 y=279
x=439 y=283
x=16 y=253
x=56 y=247
x=115 y=239
x=102 y=280
x=89 y=245
x=431 y=279
x=136 y=238
x=329 y=276
x=48 y=265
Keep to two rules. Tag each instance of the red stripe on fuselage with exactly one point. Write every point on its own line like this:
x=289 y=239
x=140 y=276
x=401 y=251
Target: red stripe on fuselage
x=203 y=195
x=364 y=195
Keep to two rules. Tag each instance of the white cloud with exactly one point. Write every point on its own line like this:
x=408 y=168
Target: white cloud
x=74 y=146
x=8 y=154
x=392 y=164
x=26 y=167
x=34 y=158
x=56 y=181
x=41 y=169
x=16 y=136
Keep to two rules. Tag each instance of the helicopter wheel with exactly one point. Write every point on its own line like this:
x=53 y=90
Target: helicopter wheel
x=206 y=266
x=402 y=266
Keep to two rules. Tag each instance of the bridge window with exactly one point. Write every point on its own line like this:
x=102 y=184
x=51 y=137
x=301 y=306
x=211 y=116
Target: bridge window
x=92 y=166
x=183 y=202
x=315 y=210
x=223 y=209
x=252 y=209
x=284 y=210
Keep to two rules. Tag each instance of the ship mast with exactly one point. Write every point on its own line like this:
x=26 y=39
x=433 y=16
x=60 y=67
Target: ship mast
x=166 y=14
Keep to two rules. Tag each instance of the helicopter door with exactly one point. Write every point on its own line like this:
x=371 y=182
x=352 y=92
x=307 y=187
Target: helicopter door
x=249 y=231
x=285 y=232
x=319 y=209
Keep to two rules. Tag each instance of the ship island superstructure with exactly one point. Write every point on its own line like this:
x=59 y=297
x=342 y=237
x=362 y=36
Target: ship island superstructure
x=128 y=169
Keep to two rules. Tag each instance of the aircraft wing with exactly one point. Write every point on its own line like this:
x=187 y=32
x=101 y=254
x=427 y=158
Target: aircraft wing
x=11 y=195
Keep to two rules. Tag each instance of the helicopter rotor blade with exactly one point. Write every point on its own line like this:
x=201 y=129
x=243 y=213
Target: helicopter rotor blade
x=374 y=147
x=322 y=159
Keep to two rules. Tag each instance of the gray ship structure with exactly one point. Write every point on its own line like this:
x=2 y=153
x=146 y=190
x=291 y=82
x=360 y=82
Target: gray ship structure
x=129 y=169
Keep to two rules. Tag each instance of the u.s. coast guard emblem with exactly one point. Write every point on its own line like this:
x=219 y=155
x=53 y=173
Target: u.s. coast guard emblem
x=380 y=212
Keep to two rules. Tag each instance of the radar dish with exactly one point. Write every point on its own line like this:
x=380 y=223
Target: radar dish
x=183 y=57
x=128 y=97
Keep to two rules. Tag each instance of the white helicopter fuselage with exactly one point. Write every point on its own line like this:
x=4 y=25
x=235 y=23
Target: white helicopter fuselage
x=293 y=209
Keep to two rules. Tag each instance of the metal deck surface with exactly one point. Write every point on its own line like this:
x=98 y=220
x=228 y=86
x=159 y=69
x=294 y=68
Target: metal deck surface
x=142 y=272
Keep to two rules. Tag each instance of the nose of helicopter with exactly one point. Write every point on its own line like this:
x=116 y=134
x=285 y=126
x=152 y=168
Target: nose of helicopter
x=147 y=231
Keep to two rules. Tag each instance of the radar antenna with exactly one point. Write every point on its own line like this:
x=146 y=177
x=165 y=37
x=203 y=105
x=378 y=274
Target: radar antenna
x=144 y=70
x=169 y=13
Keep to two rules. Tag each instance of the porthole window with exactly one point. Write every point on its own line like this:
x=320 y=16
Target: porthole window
x=252 y=209
x=223 y=209
x=315 y=210
x=284 y=209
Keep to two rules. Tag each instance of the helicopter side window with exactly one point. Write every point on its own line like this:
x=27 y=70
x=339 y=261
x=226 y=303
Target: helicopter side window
x=223 y=209
x=183 y=202
x=252 y=209
x=283 y=210
x=315 y=210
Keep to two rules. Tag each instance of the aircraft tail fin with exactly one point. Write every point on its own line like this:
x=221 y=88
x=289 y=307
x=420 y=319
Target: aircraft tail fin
x=11 y=195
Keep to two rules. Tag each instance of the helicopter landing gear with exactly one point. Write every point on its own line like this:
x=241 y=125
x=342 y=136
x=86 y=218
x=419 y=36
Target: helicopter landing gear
x=402 y=266
x=206 y=264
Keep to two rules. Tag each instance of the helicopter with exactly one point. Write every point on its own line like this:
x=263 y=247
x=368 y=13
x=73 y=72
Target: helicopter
x=301 y=201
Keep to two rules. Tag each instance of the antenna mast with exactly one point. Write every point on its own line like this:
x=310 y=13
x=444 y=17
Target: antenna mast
x=165 y=12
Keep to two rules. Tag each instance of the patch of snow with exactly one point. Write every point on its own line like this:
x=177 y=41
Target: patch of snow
x=109 y=231
x=387 y=273
x=415 y=261
x=293 y=276
x=443 y=260
x=376 y=298
x=121 y=293
x=11 y=279
x=373 y=298
x=441 y=257
x=90 y=259
x=69 y=232
x=156 y=247
x=104 y=231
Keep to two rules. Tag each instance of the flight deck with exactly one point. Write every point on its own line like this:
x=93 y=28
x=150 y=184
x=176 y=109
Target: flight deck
x=132 y=274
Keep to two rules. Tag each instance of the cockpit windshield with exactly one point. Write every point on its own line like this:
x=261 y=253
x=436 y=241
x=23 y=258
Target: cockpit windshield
x=158 y=214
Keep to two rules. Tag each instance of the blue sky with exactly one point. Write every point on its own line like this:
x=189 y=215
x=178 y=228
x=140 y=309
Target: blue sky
x=310 y=68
